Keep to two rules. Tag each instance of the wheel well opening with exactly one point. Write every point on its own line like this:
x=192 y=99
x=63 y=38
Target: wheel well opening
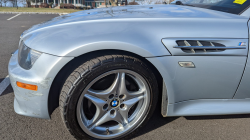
x=63 y=74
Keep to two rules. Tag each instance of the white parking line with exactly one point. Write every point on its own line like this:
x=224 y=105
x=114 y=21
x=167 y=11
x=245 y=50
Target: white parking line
x=4 y=84
x=13 y=16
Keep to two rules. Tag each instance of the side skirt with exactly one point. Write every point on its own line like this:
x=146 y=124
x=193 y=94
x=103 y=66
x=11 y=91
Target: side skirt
x=208 y=107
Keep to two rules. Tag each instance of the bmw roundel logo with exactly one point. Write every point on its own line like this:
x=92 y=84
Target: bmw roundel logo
x=114 y=103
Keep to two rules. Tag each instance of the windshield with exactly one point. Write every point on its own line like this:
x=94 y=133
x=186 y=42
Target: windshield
x=229 y=6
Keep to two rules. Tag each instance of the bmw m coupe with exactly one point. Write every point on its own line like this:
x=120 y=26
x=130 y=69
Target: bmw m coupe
x=106 y=69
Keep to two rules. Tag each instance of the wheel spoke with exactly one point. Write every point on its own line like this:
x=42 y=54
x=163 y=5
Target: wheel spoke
x=99 y=103
x=117 y=86
x=127 y=105
x=121 y=119
x=135 y=94
x=124 y=114
x=122 y=86
x=97 y=116
x=100 y=94
x=105 y=118
x=108 y=116
x=140 y=92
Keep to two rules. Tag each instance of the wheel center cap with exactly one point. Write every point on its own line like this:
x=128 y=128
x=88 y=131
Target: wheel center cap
x=114 y=103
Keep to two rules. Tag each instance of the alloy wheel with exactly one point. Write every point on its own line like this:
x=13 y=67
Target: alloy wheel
x=113 y=104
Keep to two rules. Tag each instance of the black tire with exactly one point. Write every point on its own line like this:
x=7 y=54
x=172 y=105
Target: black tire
x=85 y=73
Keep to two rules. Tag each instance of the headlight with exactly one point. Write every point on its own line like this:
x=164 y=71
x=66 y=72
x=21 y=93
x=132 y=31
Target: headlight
x=26 y=56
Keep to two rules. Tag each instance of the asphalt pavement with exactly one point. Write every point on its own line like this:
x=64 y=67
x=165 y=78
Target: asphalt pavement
x=14 y=126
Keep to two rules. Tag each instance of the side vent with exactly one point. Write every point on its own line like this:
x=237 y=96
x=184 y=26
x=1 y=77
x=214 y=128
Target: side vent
x=193 y=46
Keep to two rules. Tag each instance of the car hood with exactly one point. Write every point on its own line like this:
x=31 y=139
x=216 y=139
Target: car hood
x=121 y=12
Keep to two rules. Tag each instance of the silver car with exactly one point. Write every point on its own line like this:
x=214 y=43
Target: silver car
x=108 y=69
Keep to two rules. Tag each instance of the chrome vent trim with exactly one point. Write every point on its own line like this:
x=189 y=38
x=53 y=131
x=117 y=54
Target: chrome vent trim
x=211 y=44
x=187 y=44
x=200 y=46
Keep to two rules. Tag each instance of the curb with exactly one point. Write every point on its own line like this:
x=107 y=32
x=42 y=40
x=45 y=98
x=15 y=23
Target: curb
x=32 y=13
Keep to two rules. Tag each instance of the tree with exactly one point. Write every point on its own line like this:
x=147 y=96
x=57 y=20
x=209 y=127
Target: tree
x=5 y=1
x=24 y=2
x=13 y=2
x=1 y=2
x=62 y=4
x=28 y=3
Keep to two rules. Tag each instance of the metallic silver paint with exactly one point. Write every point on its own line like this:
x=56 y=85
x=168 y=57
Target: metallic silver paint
x=76 y=34
x=243 y=90
x=246 y=13
x=138 y=11
x=209 y=107
x=42 y=74
x=142 y=31
x=214 y=77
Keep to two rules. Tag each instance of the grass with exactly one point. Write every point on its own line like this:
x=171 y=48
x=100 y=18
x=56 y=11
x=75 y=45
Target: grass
x=50 y=10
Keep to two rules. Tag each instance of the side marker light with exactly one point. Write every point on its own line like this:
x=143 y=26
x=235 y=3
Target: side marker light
x=27 y=86
x=187 y=64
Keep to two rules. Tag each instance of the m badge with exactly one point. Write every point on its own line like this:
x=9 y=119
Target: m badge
x=242 y=44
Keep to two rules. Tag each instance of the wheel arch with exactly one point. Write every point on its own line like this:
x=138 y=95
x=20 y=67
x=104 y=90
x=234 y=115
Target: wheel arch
x=66 y=70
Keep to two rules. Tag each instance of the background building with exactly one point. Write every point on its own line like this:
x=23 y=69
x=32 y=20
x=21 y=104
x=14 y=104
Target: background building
x=82 y=3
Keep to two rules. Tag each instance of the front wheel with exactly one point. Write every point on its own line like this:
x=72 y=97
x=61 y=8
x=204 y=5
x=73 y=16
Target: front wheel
x=109 y=97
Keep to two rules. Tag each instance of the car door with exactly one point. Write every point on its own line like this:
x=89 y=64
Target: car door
x=213 y=68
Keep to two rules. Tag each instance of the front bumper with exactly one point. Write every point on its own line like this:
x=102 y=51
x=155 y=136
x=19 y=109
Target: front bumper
x=34 y=103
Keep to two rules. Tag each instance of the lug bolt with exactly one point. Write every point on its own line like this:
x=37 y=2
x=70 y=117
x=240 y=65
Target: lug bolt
x=105 y=106
x=112 y=112
x=121 y=96
x=111 y=96
x=122 y=106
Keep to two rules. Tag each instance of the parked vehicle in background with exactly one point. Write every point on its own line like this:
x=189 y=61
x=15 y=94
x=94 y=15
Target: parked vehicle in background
x=107 y=68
